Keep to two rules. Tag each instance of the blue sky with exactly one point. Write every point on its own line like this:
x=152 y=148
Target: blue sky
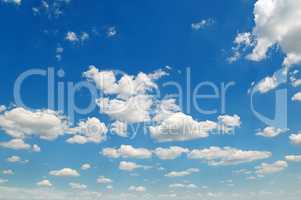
x=160 y=146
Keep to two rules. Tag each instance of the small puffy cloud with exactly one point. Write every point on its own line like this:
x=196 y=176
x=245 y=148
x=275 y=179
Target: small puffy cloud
x=22 y=123
x=182 y=173
x=295 y=138
x=127 y=151
x=170 y=153
x=201 y=24
x=275 y=167
x=89 y=131
x=15 y=2
x=111 y=31
x=103 y=180
x=293 y=158
x=228 y=123
x=77 y=186
x=85 y=166
x=129 y=166
x=120 y=128
x=137 y=189
x=8 y=172
x=267 y=84
x=71 y=36
x=36 y=148
x=180 y=185
x=65 y=172
x=241 y=42
x=2 y=108
x=227 y=156
x=16 y=144
x=16 y=159
x=44 y=183
x=270 y=132
x=297 y=97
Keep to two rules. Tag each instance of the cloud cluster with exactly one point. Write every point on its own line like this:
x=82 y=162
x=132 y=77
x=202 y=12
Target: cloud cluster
x=270 y=132
x=21 y=123
x=227 y=156
x=275 y=167
x=65 y=172
x=127 y=151
x=182 y=173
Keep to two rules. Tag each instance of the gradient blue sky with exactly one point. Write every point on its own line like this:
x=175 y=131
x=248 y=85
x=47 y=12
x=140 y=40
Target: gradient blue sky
x=150 y=35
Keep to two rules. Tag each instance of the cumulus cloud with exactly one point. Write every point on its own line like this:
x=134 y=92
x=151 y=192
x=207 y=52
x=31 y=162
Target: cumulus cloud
x=21 y=123
x=44 y=183
x=170 y=153
x=182 y=173
x=293 y=158
x=297 y=97
x=91 y=130
x=36 y=148
x=241 y=42
x=16 y=159
x=120 y=128
x=227 y=156
x=275 y=167
x=65 y=172
x=270 y=132
x=129 y=166
x=276 y=24
x=295 y=138
x=16 y=144
x=2 y=108
x=77 y=186
x=85 y=166
x=127 y=98
x=127 y=151
x=202 y=24
x=180 y=185
x=137 y=189
x=103 y=180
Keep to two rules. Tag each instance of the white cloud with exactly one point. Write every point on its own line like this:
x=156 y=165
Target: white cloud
x=36 y=148
x=201 y=24
x=297 y=97
x=111 y=31
x=15 y=2
x=103 y=180
x=267 y=84
x=21 y=123
x=127 y=151
x=265 y=168
x=129 y=166
x=2 y=108
x=16 y=159
x=8 y=172
x=276 y=24
x=293 y=158
x=65 y=172
x=270 y=132
x=91 y=130
x=170 y=153
x=295 y=138
x=181 y=127
x=135 y=109
x=180 y=185
x=227 y=156
x=120 y=128
x=85 y=166
x=242 y=42
x=16 y=144
x=182 y=173
x=72 y=36
x=137 y=189
x=228 y=123
x=44 y=183
x=78 y=186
